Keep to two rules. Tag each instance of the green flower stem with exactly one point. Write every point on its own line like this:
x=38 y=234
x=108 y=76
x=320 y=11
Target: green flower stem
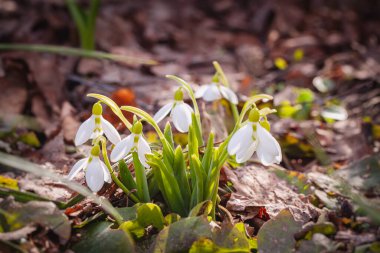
x=190 y=91
x=248 y=105
x=114 y=107
x=222 y=150
x=225 y=82
x=102 y=140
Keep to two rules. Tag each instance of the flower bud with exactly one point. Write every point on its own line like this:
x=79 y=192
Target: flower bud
x=95 y=151
x=137 y=128
x=178 y=95
x=97 y=109
x=254 y=115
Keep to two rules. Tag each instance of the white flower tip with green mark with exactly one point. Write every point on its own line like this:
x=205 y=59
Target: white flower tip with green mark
x=214 y=91
x=180 y=114
x=96 y=172
x=253 y=137
x=132 y=143
x=95 y=126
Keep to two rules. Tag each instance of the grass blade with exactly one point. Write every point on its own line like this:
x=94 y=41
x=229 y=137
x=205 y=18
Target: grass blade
x=77 y=52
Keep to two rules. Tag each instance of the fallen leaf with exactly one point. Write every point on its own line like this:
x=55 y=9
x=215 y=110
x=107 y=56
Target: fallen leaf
x=257 y=187
x=8 y=183
x=100 y=237
x=13 y=85
x=37 y=212
x=69 y=124
x=277 y=234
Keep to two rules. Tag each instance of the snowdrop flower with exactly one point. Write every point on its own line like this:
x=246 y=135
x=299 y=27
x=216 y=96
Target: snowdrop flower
x=134 y=142
x=95 y=126
x=96 y=171
x=255 y=136
x=180 y=113
x=215 y=91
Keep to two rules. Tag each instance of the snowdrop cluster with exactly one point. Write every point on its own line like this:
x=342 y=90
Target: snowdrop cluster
x=96 y=171
x=249 y=137
x=215 y=91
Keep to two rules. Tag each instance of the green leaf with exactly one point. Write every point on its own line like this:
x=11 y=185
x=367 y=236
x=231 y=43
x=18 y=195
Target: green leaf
x=208 y=155
x=76 y=52
x=168 y=185
x=126 y=176
x=179 y=236
x=196 y=165
x=45 y=213
x=133 y=227
x=147 y=214
x=180 y=172
x=171 y=218
x=150 y=214
x=129 y=213
x=286 y=110
x=169 y=134
x=100 y=237
x=201 y=209
x=326 y=228
x=141 y=181
x=278 y=233
x=30 y=138
x=305 y=96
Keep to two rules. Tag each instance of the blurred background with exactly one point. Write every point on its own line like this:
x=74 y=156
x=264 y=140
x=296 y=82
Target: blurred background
x=321 y=60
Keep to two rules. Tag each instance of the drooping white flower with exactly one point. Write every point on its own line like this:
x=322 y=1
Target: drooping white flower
x=134 y=142
x=180 y=112
x=215 y=91
x=96 y=171
x=254 y=137
x=95 y=126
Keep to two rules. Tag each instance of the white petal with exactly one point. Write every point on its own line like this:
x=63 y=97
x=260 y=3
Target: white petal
x=107 y=175
x=181 y=116
x=212 y=93
x=201 y=91
x=229 y=94
x=245 y=154
x=143 y=148
x=85 y=131
x=242 y=139
x=268 y=150
x=122 y=148
x=162 y=112
x=110 y=131
x=94 y=175
x=78 y=166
